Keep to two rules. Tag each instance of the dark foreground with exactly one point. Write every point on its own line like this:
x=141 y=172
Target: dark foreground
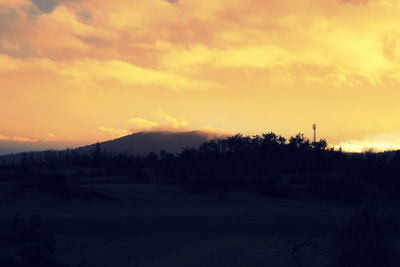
x=156 y=225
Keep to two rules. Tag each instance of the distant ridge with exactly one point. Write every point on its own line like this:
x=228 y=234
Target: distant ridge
x=138 y=144
x=143 y=143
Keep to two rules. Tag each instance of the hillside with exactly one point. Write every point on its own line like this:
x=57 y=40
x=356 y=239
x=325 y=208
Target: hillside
x=143 y=143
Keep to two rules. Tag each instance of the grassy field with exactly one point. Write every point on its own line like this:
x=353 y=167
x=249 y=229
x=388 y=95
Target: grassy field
x=161 y=226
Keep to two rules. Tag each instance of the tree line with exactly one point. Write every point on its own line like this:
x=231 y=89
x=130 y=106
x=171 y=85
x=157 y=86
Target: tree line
x=227 y=163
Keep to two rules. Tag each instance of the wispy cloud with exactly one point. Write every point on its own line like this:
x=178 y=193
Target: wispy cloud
x=142 y=124
x=165 y=123
x=89 y=72
x=114 y=132
x=18 y=139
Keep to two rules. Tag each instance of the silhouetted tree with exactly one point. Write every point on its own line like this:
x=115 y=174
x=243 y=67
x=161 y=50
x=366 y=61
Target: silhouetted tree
x=36 y=247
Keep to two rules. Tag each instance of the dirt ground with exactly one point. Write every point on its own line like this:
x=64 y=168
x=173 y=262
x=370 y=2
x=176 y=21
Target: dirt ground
x=161 y=226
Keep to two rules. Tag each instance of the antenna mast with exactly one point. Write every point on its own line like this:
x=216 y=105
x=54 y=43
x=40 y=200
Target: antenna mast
x=315 y=132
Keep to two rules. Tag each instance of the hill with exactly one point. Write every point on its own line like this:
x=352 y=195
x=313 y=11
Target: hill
x=137 y=144
x=143 y=143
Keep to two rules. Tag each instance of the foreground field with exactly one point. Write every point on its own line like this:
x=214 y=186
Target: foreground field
x=155 y=225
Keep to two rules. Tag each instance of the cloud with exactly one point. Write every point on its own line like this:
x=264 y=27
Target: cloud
x=382 y=142
x=114 y=132
x=93 y=71
x=142 y=124
x=46 y=6
x=17 y=139
x=215 y=133
x=58 y=137
x=8 y=64
x=245 y=66
x=89 y=72
x=171 y=122
x=216 y=35
x=358 y=2
x=360 y=61
x=166 y=123
x=15 y=4
x=240 y=57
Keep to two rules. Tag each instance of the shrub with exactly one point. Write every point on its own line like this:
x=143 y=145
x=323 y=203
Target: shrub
x=368 y=240
x=36 y=247
x=341 y=189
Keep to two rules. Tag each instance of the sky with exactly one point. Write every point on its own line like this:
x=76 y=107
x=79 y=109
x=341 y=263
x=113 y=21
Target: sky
x=74 y=72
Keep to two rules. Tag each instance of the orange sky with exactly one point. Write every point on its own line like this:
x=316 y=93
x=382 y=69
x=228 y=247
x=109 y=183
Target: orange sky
x=80 y=71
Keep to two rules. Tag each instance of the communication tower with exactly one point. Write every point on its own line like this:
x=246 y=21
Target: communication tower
x=315 y=132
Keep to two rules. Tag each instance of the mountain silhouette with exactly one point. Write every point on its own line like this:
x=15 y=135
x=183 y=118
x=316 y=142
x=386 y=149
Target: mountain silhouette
x=143 y=143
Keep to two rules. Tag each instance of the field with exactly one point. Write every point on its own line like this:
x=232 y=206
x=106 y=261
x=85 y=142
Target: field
x=159 y=225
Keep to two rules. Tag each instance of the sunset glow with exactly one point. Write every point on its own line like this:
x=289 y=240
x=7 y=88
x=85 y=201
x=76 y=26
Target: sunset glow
x=74 y=72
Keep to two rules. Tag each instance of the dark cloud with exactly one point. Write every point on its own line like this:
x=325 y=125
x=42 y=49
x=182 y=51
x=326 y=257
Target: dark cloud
x=46 y=6
x=85 y=16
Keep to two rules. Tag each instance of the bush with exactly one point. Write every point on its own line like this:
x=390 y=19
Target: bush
x=368 y=240
x=341 y=189
x=36 y=247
